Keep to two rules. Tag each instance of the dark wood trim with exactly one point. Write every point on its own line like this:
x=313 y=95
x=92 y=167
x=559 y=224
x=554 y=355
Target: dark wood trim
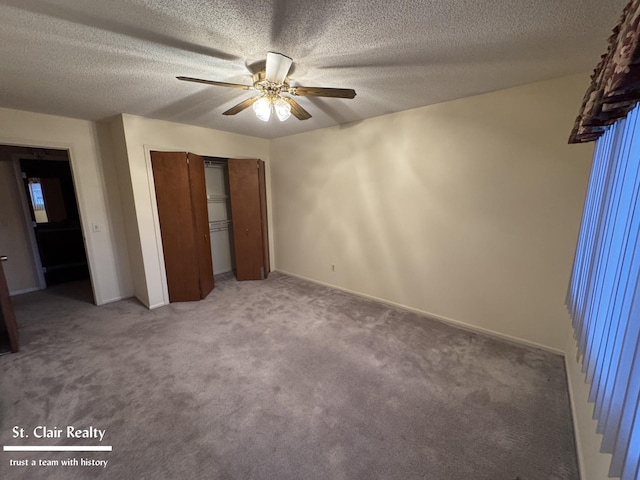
x=7 y=311
x=249 y=215
x=262 y=186
x=199 y=209
x=171 y=179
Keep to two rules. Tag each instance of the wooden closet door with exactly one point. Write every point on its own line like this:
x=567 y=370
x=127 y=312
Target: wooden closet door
x=171 y=178
x=249 y=233
x=201 y=222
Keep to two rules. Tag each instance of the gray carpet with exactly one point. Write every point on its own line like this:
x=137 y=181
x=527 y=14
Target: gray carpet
x=280 y=379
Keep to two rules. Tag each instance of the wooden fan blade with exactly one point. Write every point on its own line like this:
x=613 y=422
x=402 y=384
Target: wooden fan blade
x=219 y=84
x=322 y=92
x=297 y=111
x=241 y=106
x=277 y=67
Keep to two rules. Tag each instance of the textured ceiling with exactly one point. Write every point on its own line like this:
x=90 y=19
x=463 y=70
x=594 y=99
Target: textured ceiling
x=92 y=59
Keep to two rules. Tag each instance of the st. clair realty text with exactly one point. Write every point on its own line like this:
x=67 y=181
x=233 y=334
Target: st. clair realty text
x=69 y=431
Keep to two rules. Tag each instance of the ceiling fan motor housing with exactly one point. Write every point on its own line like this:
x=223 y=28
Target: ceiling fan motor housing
x=270 y=89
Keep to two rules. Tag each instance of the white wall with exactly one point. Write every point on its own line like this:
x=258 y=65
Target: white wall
x=113 y=134
x=468 y=210
x=143 y=135
x=96 y=203
x=114 y=199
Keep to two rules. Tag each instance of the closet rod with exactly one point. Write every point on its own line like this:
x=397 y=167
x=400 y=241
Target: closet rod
x=217 y=198
x=214 y=164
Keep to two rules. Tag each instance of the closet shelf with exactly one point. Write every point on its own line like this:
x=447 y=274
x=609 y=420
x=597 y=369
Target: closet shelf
x=219 y=225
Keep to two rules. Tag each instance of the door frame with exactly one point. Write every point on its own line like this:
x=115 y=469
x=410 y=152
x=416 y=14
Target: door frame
x=152 y=203
x=28 y=222
x=156 y=219
x=26 y=210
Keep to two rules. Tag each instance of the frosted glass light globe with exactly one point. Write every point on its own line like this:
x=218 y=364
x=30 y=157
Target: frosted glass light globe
x=282 y=108
x=262 y=107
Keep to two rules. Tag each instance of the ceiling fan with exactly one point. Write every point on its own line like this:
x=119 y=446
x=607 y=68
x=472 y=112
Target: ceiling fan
x=272 y=83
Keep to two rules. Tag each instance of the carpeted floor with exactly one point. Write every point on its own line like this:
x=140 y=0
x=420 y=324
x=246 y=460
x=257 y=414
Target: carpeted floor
x=280 y=380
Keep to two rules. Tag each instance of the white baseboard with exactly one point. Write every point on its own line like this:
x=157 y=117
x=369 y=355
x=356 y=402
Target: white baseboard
x=574 y=419
x=123 y=297
x=450 y=321
x=112 y=300
x=26 y=290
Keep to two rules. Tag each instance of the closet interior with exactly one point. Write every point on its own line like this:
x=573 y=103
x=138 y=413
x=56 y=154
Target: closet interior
x=216 y=172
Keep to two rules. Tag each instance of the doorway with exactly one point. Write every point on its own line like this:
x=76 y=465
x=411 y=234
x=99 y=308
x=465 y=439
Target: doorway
x=41 y=234
x=55 y=219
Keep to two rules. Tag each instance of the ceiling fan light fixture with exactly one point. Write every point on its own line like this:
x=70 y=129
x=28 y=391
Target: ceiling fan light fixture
x=262 y=107
x=282 y=108
x=270 y=83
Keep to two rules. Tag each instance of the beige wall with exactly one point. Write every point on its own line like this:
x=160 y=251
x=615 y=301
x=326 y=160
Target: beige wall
x=98 y=204
x=468 y=210
x=143 y=135
x=115 y=198
x=14 y=240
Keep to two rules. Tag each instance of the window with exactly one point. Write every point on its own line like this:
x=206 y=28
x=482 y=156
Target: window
x=37 y=200
x=604 y=293
x=47 y=199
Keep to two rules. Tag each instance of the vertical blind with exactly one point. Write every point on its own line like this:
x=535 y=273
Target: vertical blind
x=604 y=293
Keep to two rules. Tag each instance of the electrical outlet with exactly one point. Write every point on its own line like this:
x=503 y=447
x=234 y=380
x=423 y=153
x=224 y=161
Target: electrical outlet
x=95 y=227
x=333 y=268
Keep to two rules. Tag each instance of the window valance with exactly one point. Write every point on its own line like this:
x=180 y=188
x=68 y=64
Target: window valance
x=615 y=83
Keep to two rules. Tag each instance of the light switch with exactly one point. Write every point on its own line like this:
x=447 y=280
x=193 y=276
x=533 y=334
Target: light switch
x=95 y=227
